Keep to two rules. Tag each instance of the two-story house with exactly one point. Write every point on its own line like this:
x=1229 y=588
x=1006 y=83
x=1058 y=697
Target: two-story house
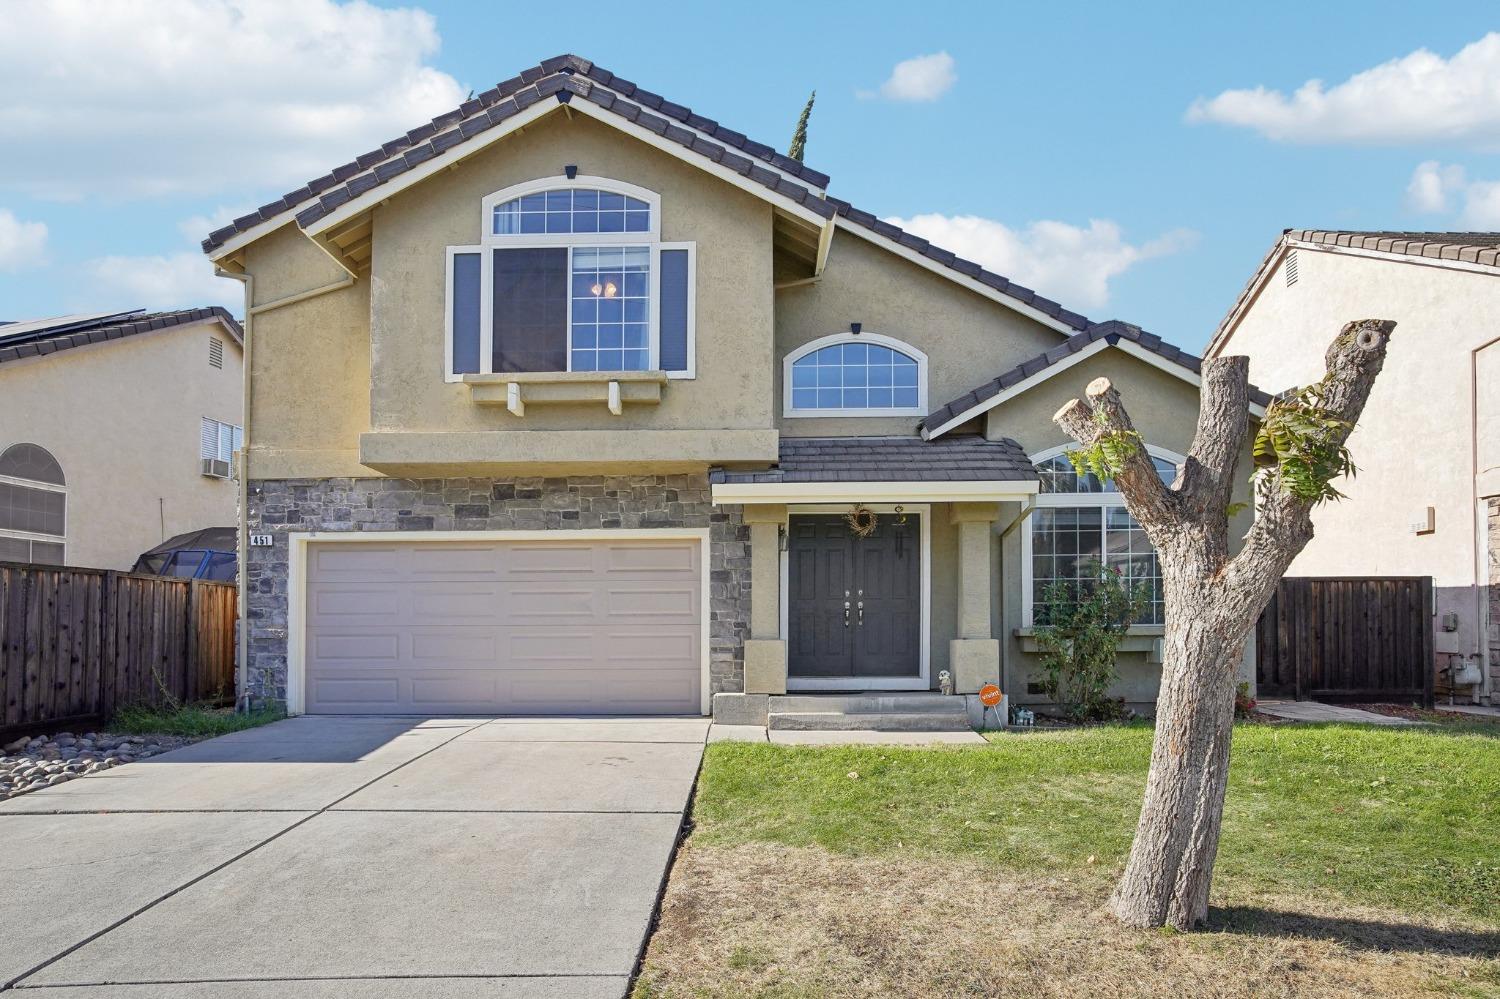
x=117 y=431
x=576 y=401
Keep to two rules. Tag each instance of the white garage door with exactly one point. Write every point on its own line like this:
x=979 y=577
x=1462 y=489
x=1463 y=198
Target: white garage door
x=504 y=627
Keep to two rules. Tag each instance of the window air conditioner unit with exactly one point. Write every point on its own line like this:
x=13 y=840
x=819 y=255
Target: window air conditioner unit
x=216 y=467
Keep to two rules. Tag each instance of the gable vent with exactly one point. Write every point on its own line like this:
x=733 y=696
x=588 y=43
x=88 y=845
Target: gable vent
x=215 y=352
x=1291 y=268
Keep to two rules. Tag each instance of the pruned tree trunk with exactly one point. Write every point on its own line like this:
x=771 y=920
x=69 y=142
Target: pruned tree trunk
x=1212 y=602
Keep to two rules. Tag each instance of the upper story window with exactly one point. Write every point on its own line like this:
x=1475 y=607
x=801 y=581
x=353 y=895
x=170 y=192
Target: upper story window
x=571 y=275
x=571 y=211
x=855 y=374
x=1081 y=522
x=33 y=506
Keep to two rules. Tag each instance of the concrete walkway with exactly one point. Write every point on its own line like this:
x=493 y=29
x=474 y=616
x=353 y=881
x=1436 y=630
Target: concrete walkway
x=844 y=737
x=1313 y=711
x=379 y=857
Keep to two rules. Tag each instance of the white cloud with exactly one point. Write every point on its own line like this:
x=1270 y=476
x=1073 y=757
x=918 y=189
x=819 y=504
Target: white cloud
x=172 y=281
x=22 y=244
x=1070 y=264
x=146 y=97
x=1420 y=97
x=1431 y=185
x=1436 y=189
x=919 y=79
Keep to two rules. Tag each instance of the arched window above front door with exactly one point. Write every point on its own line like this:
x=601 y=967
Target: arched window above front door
x=855 y=374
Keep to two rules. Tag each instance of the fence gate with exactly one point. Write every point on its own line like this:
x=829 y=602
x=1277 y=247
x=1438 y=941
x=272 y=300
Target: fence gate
x=1332 y=638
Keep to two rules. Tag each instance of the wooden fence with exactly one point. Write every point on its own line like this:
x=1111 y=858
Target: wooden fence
x=77 y=643
x=1337 y=638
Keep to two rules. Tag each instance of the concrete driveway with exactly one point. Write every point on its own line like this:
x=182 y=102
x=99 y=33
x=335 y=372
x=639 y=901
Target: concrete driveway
x=381 y=857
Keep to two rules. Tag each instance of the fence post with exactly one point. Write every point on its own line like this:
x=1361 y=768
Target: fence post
x=1428 y=655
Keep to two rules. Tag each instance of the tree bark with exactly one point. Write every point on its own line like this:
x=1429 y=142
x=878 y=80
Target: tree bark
x=1212 y=602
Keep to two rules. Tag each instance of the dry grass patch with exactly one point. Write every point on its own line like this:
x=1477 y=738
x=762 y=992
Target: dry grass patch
x=760 y=919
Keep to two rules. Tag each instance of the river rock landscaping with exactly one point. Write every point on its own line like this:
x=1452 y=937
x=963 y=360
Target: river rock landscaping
x=34 y=762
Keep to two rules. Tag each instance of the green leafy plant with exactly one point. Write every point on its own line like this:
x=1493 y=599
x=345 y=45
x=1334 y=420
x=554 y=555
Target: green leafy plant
x=1081 y=625
x=1106 y=456
x=1244 y=704
x=1302 y=439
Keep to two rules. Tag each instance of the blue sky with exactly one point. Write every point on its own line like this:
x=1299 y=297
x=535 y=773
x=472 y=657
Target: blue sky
x=1054 y=142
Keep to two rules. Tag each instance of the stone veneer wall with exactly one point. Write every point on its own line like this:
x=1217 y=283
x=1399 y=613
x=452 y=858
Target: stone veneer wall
x=279 y=506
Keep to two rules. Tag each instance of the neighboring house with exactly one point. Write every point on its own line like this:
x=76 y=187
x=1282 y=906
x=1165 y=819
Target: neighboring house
x=105 y=424
x=559 y=402
x=1426 y=499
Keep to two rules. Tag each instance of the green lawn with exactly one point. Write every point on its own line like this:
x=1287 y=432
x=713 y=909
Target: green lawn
x=1403 y=818
x=189 y=721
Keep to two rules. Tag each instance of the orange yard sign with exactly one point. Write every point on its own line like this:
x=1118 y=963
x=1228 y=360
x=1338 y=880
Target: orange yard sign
x=989 y=695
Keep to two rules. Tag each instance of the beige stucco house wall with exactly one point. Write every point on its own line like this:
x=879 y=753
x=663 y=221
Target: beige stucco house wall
x=122 y=418
x=1428 y=445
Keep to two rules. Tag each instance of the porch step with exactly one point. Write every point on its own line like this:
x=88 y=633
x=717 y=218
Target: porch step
x=918 y=712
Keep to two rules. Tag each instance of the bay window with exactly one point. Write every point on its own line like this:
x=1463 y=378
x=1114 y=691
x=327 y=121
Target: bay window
x=570 y=275
x=1081 y=522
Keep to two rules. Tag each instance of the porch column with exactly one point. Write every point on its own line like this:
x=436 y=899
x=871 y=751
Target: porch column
x=765 y=650
x=974 y=656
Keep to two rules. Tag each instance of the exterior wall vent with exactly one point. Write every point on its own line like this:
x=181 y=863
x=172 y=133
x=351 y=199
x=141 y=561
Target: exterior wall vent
x=1291 y=268
x=215 y=352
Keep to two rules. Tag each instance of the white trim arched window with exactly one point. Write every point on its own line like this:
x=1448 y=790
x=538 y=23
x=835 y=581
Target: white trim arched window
x=854 y=374
x=1080 y=521
x=570 y=274
x=33 y=506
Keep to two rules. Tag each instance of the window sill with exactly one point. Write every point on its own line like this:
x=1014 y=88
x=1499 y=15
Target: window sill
x=1138 y=638
x=613 y=389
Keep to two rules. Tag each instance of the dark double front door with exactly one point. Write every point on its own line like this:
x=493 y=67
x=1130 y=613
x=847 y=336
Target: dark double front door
x=854 y=605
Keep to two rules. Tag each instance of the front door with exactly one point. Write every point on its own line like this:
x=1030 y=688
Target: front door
x=854 y=605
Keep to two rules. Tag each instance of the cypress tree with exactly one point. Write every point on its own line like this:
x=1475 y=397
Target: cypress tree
x=799 y=135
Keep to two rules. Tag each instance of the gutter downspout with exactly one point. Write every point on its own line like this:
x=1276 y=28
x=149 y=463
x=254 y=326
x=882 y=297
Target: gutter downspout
x=242 y=699
x=1028 y=507
x=242 y=525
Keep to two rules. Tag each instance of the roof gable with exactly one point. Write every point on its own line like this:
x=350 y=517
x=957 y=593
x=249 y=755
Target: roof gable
x=1479 y=251
x=1113 y=333
x=50 y=336
x=577 y=82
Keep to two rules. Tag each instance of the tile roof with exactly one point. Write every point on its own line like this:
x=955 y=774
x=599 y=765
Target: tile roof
x=565 y=78
x=1111 y=331
x=967 y=458
x=1481 y=248
x=34 y=339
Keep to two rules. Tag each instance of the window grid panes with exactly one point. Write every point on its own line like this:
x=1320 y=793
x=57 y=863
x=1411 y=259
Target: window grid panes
x=611 y=308
x=1066 y=541
x=857 y=376
x=1058 y=476
x=573 y=210
x=1130 y=553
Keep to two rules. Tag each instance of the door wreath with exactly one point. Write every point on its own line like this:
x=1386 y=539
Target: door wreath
x=861 y=520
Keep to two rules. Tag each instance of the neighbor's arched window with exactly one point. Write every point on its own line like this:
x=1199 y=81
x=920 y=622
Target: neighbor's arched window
x=855 y=374
x=33 y=506
x=570 y=275
x=1081 y=521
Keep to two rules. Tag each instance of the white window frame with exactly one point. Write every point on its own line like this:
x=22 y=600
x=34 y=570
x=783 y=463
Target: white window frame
x=865 y=336
x=51 y=487
x=490 y=241
x=1054 y=500
x=236 y=438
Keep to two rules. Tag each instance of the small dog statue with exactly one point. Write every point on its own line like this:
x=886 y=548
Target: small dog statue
x=945 y=681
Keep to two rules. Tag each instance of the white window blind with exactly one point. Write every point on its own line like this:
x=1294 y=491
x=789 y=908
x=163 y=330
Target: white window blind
x=219 y=440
